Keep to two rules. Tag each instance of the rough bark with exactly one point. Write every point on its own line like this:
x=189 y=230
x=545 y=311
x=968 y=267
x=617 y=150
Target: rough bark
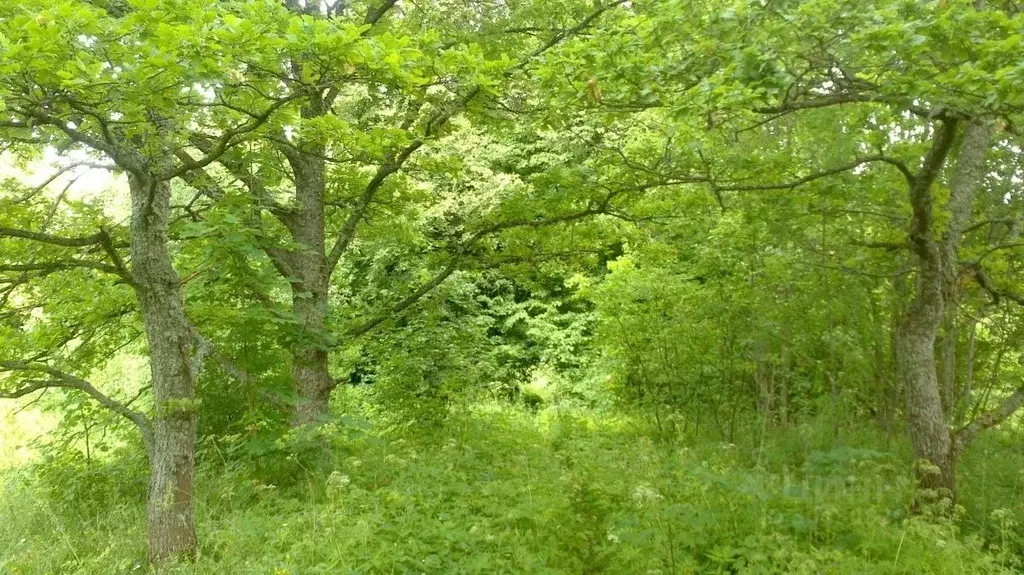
x=938 y=273
x=308 y=270
x=915 y=356
x=947 y=374
x=303 y=266
x=311 y=377
x=171 y=520
x=312 y=380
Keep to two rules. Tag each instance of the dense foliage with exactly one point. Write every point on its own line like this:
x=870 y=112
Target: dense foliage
x=511 y=286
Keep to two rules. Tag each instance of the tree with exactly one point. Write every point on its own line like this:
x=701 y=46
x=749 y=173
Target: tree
x=334 y=155
x=951 y=122
x=245 y=93
x=125 y=86
x=876 y=96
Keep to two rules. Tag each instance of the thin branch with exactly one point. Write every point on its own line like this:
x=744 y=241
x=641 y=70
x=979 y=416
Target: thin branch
x=830 y=212
x=986 y=284
x=199 y=179
x=55 y=266
x=206 y=348
x=56 y=204
x=815 y=103
x=53 y=177
x=394 y=162
x=204 y=182
x=114 y=152
x=890 y=246
x=70 y=242
x=899 y=165
x=983 y=223
x=999 y=247
x=108 y=246
x=65 y=380
x=827 y=101
x=348 y=229
x=857 y=272
x=221 y=144
x=438 y=279
x=991 y=418
x=804 y=180
x=579 y=27
x=373 y=15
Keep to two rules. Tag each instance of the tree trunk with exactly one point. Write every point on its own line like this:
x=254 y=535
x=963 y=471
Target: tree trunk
x=926 y=422
x=313 y=384
x=947 y=379
x=936 y=290
x=310 y=374
x=309 y=282
x=171 y=520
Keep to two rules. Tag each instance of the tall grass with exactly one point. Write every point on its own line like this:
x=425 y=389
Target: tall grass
x=499 y=490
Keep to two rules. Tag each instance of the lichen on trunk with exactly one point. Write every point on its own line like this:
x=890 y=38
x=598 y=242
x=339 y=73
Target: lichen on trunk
x=936 y=447
x=170 y=509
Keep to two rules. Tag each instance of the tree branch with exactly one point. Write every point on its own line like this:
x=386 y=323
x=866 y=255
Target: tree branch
x=108 y=246
x=991 y=418
x=206 y=348
x=999 y=247
x=373 y=15
x=74 y=242
x=111 y=150
x=986 y=284
x=395 y=162
x=65 y=380
x=808 y=178
x=890 y=246
x=920 y=189
x=983 y=223
x=51 y=267
x=789 y=106
x=221 y=144
x=203 y=182
x=438 y=279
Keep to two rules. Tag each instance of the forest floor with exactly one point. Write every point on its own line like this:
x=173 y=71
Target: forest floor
x=502 y=490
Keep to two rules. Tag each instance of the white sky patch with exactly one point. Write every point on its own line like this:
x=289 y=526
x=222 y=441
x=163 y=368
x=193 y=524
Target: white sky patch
x=824 y=89
x=85 y=178
x=91 y=180
x=206 y=92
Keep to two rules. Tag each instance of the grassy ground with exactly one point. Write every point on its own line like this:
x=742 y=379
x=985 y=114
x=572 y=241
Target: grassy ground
x=498 y=490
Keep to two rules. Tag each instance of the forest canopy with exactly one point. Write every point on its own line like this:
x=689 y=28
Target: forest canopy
x=651 y=286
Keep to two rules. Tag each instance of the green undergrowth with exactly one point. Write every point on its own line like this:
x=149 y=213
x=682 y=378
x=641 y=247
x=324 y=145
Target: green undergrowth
x=496 y=490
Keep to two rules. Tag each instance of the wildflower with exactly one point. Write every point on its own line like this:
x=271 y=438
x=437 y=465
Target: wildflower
x=338 y=480
x=644 y=494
